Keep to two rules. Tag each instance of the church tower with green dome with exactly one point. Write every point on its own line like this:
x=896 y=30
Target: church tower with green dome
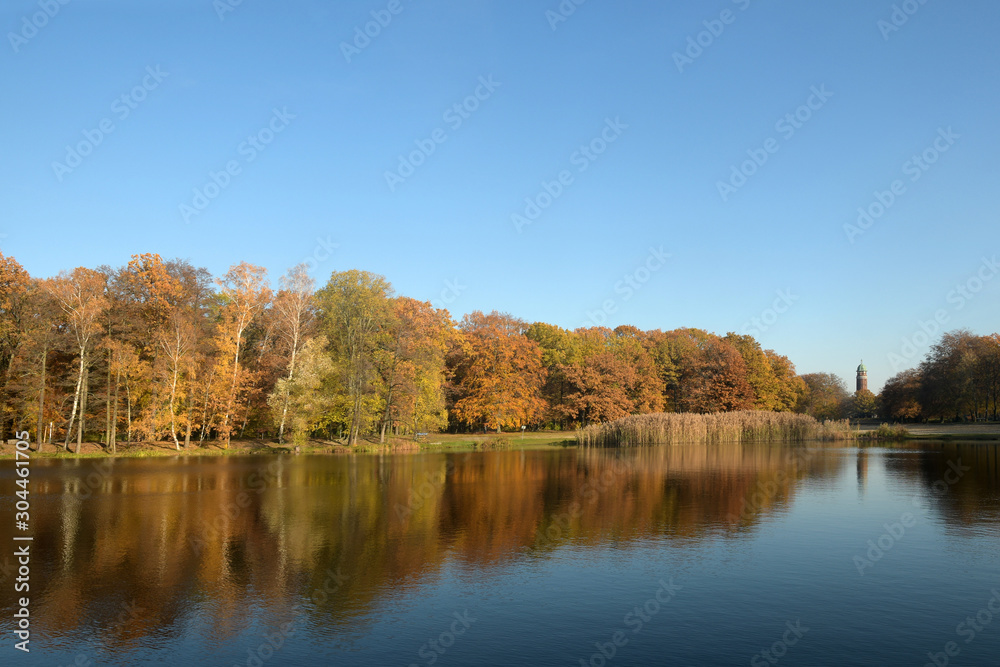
x=862 y=377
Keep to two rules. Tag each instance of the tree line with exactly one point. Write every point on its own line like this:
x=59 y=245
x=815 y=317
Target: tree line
x=959 y=379
x=160 y=350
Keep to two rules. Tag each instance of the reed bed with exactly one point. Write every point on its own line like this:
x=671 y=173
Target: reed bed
x=720 y=427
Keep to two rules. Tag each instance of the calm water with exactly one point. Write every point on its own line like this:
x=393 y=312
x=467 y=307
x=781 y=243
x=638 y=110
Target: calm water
x=669 y=556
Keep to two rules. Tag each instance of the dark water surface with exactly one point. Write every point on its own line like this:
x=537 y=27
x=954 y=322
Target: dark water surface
x=688 y=555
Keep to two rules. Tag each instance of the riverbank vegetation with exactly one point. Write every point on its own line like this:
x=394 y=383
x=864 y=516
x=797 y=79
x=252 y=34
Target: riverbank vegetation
x=157 y=350
x=744 y=426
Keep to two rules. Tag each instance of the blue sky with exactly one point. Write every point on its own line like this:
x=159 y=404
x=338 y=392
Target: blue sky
x=641 y=139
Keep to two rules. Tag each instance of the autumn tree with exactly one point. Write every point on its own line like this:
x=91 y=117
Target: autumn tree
x=900 y=397
x=560 y=352
x=167 y=341
x=498 y=373
x=190 y=327
x=411 y=365
x=80 y=295
x=303 y=399
x=760 y=375
x=702 y=372
x=294 y=315
x=717 y=379
x=36 y=367
x=789 y=387
x=354 y=313
x=864 y=404
x=14 y=286
x=960 y=376
x=677 y=355
x=245 y=293
x=825 y=396
x=613 y=376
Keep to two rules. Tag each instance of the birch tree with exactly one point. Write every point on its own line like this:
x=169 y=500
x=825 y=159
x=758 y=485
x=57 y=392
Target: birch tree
x=245 y=293
x=80 y=295
x=294 y=313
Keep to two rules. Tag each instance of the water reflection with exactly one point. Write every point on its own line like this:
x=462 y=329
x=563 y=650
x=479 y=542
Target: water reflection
x=960 y=482
x=135 y=549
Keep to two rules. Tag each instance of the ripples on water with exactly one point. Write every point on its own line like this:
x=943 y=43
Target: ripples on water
x=518 y=557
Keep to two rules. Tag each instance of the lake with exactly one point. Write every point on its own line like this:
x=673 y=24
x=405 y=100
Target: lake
x=685 y=555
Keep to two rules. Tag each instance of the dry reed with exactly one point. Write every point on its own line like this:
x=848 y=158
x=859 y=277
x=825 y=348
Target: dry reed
x=721 y=427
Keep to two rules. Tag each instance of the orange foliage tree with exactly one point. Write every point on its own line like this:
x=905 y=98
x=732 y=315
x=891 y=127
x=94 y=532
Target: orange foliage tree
x=498 y=375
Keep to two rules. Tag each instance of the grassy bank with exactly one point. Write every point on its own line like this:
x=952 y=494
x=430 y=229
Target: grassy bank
x=434 y=442
x=948 y=432
x=723 y=427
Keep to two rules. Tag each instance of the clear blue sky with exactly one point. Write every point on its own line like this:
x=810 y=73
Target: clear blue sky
x=323 y=176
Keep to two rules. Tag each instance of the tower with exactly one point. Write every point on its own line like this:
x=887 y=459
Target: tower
x=862 y=377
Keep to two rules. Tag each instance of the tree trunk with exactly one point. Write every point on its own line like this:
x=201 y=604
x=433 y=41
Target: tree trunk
x=83 y=409
x=76 y=401
x=291 y=373
x=107 y=406
x=385 y=415
x=232 y=394
x=128 y=412
x=113 y=438
x=41 y=399
x=173 y=420
x=204 y=409
x=352 y=437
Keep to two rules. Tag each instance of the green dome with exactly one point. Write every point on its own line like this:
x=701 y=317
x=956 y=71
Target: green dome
x=862 y=368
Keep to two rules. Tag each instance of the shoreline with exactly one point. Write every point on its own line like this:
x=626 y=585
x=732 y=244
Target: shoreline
x=441 y=442
x=438 y=442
